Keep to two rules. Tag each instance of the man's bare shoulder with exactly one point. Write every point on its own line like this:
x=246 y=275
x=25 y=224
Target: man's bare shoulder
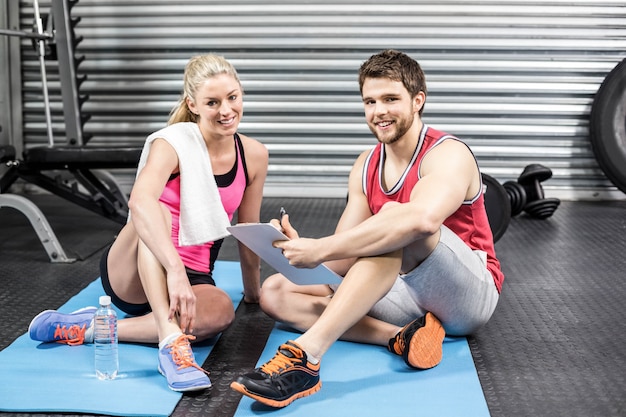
x=449 y=152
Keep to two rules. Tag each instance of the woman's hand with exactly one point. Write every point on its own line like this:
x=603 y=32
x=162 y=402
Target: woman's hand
x=182 y=301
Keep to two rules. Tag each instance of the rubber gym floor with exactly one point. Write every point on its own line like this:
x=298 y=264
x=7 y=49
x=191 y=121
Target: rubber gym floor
x=556 y=345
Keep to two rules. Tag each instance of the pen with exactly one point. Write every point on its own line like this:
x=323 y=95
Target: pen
x=280 y=216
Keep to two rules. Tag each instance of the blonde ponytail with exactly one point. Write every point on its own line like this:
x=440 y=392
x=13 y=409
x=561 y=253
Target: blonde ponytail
x=182 y=113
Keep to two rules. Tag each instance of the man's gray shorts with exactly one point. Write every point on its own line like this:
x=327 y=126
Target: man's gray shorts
x=453 y=283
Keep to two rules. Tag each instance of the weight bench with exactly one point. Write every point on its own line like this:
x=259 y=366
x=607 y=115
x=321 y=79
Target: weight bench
x=76 y=173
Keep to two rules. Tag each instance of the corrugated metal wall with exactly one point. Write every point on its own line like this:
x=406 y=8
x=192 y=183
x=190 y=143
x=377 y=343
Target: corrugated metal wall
x=514 y=79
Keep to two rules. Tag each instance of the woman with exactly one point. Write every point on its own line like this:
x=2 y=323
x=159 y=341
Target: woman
x=159 y=268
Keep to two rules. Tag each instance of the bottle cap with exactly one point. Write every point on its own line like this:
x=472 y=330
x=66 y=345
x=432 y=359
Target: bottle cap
x=105 y=300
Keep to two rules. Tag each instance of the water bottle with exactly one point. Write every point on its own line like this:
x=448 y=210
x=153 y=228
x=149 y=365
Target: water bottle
x=105 y=340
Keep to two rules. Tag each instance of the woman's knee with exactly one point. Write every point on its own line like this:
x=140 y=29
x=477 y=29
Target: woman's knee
x=214 y=317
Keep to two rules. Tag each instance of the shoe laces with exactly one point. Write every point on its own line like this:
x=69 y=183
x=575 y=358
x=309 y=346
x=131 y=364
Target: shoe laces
x=181 y=352
x=281 y=361
x=72 y=335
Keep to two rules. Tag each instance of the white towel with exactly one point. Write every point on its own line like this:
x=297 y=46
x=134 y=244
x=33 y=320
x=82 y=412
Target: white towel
x=202 y=215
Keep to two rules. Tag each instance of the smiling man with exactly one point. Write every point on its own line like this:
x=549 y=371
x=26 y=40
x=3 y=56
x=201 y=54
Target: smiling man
x=413 y=245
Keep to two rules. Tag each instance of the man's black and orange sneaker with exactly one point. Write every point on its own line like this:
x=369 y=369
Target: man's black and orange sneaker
x=420 y=343
x=283 y=379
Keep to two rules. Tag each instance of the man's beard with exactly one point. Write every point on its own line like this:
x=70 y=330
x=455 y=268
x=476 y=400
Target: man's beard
x=401 y=127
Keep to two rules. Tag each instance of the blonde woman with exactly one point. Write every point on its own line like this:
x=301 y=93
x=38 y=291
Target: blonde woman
x=193 y=176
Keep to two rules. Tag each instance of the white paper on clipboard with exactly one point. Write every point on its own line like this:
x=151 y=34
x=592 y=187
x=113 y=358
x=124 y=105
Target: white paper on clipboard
x=259 y=238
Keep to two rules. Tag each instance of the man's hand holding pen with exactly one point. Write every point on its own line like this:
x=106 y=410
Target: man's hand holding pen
x=283 y=224
x=299 y=251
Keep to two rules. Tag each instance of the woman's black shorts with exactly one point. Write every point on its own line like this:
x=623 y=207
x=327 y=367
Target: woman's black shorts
x=195 y=278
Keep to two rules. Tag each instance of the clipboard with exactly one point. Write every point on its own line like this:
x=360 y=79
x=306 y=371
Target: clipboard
x=259 y=238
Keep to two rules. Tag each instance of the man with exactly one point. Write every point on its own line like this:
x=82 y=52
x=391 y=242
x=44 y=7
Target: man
x=413 y=244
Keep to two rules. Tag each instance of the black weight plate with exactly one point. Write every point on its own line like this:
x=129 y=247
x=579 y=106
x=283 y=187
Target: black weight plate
x=534 y=172
x=542 y=209
x=517 y=196
x=498 y=206
x=607 y=126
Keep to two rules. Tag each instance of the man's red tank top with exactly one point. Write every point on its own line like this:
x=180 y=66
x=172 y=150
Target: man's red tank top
x=469 y=222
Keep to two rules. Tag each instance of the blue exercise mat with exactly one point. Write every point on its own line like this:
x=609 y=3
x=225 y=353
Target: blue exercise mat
x=52 y=377
x=365 y=380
